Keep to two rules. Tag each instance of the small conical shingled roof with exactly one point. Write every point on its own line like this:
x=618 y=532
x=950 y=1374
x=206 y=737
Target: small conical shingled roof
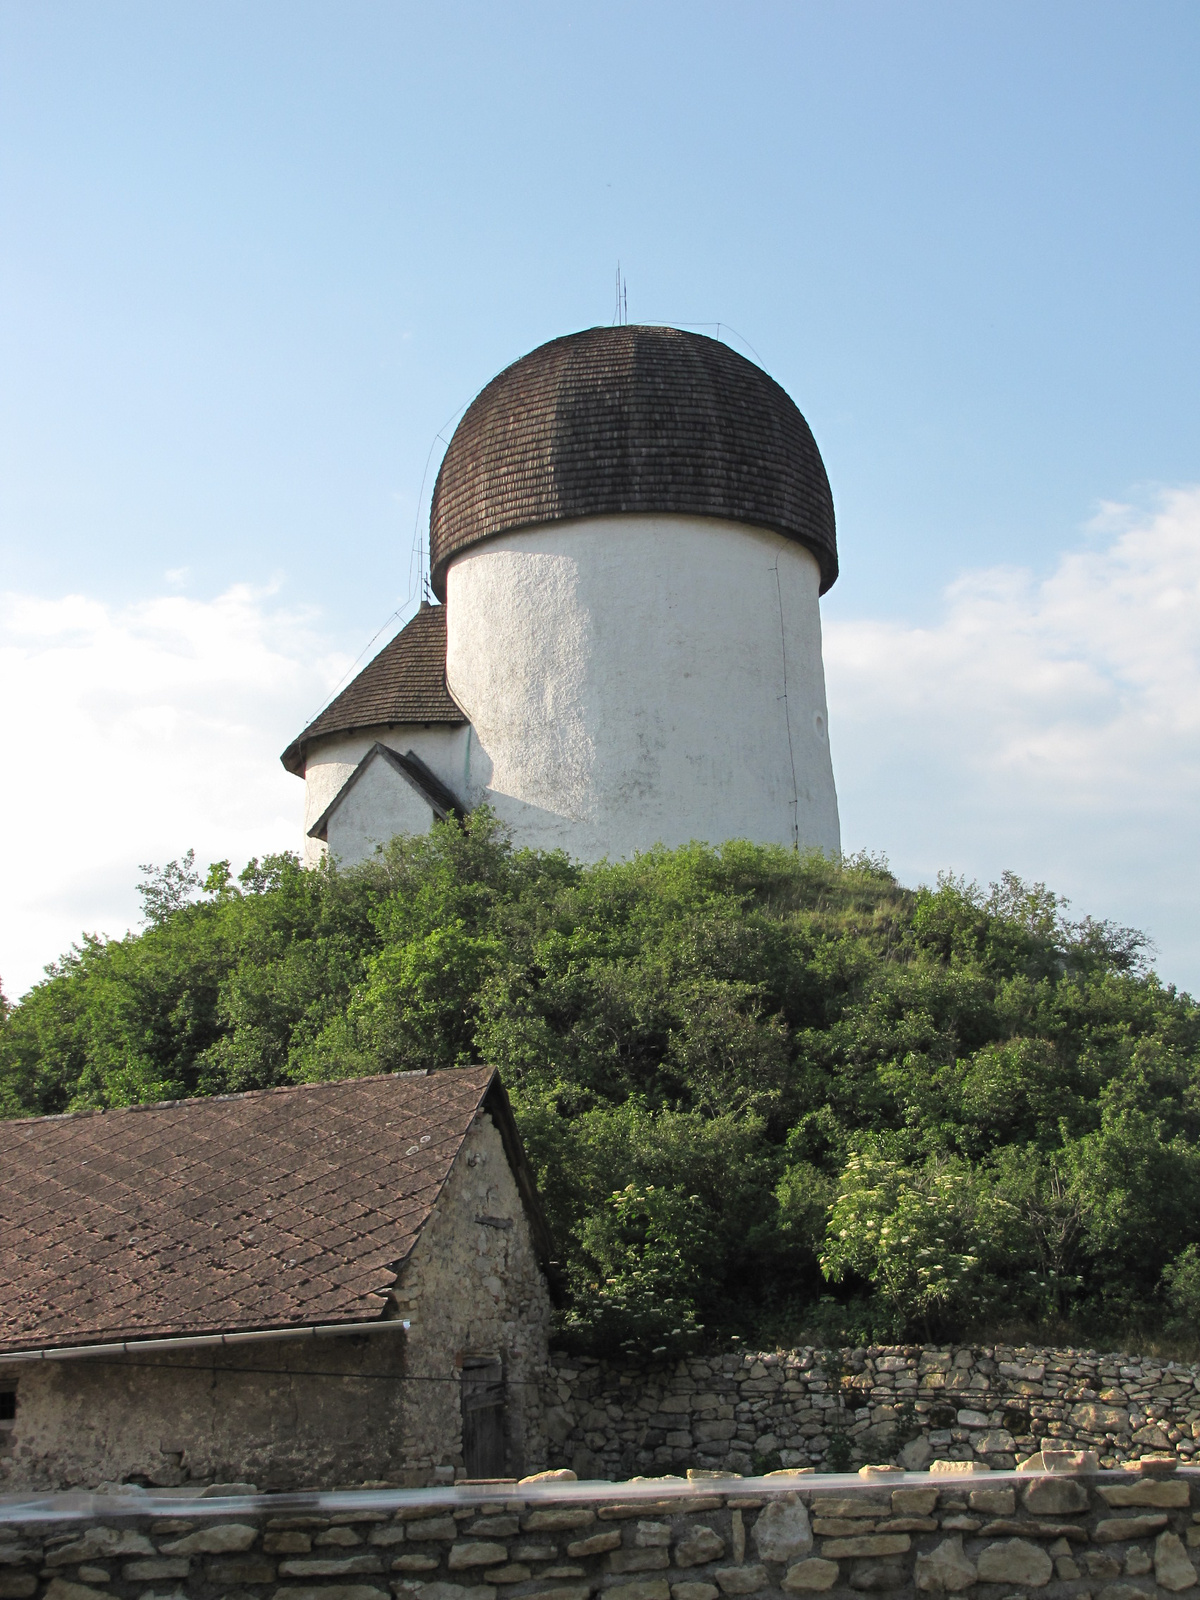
x=406 y=682
x=631 y=419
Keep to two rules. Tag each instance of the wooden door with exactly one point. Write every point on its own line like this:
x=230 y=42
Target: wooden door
x=485 y=1450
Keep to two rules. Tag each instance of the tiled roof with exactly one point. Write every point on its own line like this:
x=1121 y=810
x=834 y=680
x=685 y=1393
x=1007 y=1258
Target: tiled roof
x=406 y=682
x=271 y=1209
x=631 y=419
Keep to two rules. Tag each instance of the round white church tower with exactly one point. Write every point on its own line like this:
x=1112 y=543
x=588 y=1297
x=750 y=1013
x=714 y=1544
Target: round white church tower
x=630 y=533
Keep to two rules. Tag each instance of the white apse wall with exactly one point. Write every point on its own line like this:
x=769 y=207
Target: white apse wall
x=625 y=676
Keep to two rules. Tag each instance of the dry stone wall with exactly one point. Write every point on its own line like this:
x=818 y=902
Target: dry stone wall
x=754 y=1411
x=1117 y=1536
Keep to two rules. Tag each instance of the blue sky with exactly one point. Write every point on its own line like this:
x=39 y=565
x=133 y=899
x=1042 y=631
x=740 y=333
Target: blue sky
x=253 y=258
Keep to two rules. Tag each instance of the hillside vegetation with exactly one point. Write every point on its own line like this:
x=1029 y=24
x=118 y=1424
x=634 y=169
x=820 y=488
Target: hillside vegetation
x=763 y=1094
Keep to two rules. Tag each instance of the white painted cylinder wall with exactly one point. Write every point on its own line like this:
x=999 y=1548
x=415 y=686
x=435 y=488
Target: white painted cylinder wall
x=624 y=678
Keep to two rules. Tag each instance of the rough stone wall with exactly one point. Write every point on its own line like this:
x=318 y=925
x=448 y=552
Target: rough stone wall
x=378 y=1407
x=757 y=1411
x=1123 y=1536
x=292 y=1413
x=473 y=1286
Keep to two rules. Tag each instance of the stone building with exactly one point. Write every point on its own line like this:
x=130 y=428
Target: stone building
x=330 y=1284
x=629 y=535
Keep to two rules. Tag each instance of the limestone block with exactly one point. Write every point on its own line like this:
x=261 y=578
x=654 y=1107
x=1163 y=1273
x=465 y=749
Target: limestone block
x=1041 y=1529
x=651 y=1535
x=961 y=1523
x=1100 y=1564
x=869 y=1544
x=1112 y=1529
x=782 y=1531
x=907 y=1525
x=972 y=1419
x=637 y=1560
x=565 y=1571
x=840 y=1527
x=694 y=1590
x=1093 y=1418
x=648 y=1589
x=811 y=1576
x=1066 y=1569
x=1167 y=1493
x=475 y=1553
x=1173 y=1568
x=916 y=1502
x=596 y=1544
x=996 y=1441
x=560 y=1521
x=105 y=1543
x=17 y=1585
x=62 y=1589
x=536 y=1552
x=292 y=1542
x=957 y=1469
x=328 y=1566
x=433 y=1528
x=741 y=1580
x=825 y=1506
x=995 y=1502
x=414 y=1563
x=945 y=1569
x=700 y=1547
x=99 y=1575
x=227 y=1538
x=916 y=1455
x=1016 y=1561
x=157 y=1568
x=1055 y=1497
x=514 y=1572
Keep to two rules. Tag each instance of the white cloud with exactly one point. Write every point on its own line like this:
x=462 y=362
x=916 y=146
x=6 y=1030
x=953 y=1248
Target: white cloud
x=133 y=733
x=1049 y=725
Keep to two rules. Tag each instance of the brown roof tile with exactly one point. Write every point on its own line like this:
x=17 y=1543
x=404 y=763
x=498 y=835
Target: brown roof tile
x=406 y=682
x=631 y=419
x=270 y=1209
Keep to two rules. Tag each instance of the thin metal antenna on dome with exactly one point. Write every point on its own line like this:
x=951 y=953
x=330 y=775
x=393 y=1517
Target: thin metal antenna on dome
x=621 y=301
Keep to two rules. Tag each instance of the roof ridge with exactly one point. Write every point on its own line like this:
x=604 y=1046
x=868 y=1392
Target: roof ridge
x=238 y=1094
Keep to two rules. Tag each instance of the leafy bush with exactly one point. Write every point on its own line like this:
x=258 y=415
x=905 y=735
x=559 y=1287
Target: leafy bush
x=707 y=1050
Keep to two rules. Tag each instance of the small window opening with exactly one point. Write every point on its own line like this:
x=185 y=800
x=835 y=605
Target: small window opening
x=8 y=1405
x=485 y=1449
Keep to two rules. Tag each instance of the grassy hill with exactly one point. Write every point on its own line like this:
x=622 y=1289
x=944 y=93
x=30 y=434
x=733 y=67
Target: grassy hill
x=764 y=1094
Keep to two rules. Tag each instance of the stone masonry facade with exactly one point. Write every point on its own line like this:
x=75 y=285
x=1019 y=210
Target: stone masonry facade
x=1122 y=1535
x=756 y=1411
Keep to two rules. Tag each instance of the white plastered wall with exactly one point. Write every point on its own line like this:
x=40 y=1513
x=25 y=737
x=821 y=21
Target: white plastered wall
x=378 y=805
x=329 y=762
x=625 y=681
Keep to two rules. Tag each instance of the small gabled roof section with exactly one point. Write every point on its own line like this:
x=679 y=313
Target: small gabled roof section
x=406 y=682
x=274 y=1209
x=412 y=769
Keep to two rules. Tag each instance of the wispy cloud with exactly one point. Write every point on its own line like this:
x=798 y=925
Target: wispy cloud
x=133 y=733
x=1048 y=724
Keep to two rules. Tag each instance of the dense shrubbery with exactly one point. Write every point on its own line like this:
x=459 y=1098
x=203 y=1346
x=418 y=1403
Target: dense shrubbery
x=762 y=1093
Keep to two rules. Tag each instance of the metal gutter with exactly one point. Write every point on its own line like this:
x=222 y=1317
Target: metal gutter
x=199 y=1341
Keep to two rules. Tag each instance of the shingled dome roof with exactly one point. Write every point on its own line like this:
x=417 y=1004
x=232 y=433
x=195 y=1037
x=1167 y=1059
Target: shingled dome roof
x=631 y=419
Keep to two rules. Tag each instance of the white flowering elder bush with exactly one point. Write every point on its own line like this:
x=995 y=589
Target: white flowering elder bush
x=921 y=1235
